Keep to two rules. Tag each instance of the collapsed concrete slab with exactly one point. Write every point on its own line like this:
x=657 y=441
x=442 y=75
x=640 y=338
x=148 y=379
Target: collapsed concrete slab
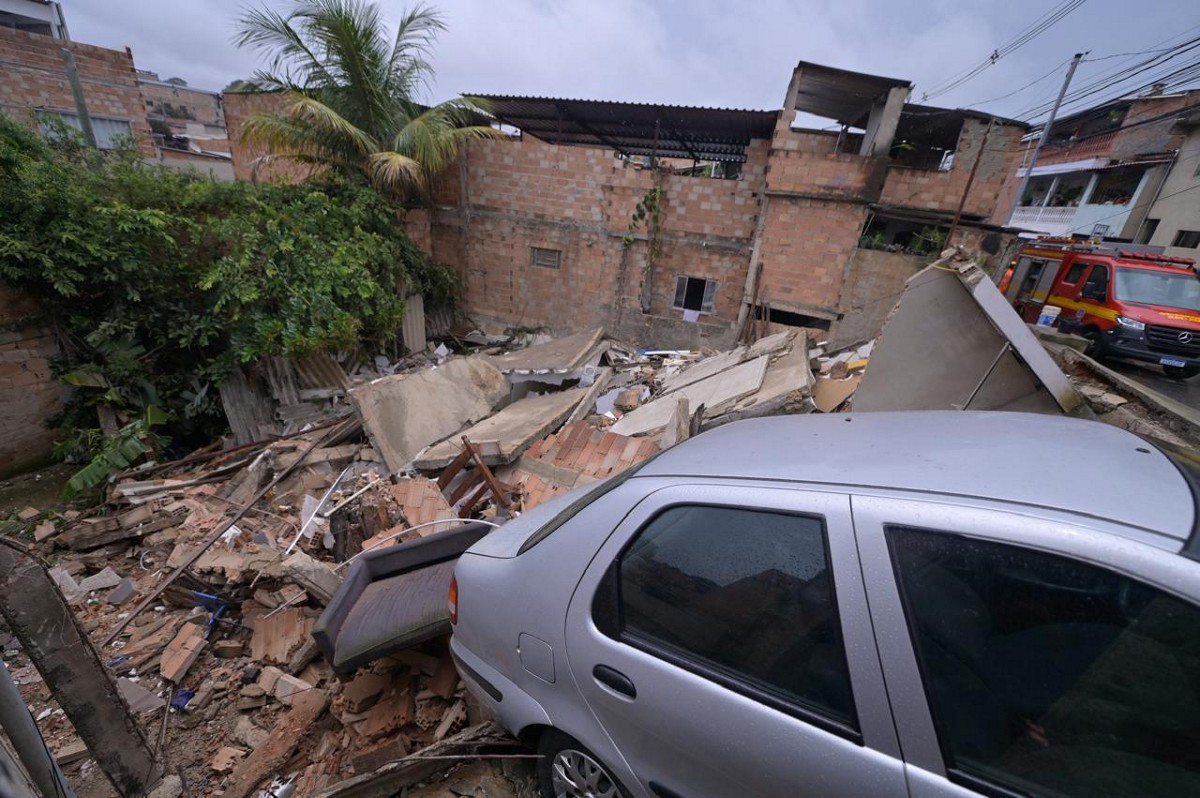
x=786 y=388
x=405 y=413
x=953 y=343
x=554 y=360
x=506 y=435
x=713 y=392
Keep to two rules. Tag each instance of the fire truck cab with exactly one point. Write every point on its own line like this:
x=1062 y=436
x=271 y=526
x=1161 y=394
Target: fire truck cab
x=1130 y=301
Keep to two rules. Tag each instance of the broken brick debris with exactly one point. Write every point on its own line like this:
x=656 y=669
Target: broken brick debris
x=225 y=612
x=182 y=652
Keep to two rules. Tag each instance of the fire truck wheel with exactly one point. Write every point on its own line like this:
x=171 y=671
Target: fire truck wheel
x=1095 y=347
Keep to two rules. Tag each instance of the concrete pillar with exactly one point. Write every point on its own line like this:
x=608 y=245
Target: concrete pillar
x=53 y=639
x=1050 y=191
x=1086 y=197
x=882 y=123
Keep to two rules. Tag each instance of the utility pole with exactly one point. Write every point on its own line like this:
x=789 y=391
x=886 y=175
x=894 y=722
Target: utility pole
x=36 y=613
x=1045 y=136
x=85 y=120
x=27 y=740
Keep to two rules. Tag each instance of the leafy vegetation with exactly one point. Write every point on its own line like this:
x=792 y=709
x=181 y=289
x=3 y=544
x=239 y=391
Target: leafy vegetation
x=159 y=283
x=352 y=92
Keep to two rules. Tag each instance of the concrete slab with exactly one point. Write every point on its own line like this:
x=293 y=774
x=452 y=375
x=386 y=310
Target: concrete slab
x=713 y=393
x=405 y=413
x=514 y=429
x=953 y=343
x=703 y=369
x=786 y=388
x=771 y=344
x=560 y=355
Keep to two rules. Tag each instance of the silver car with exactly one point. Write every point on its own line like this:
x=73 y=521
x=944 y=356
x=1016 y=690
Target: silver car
x=888 y=604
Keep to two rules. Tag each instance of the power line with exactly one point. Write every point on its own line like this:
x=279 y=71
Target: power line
x=1031 y=83
x=1124 y=75
x=1023 y=37
x=1154 y=49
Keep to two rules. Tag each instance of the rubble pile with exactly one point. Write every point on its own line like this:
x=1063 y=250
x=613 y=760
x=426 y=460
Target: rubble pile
x=200 y=581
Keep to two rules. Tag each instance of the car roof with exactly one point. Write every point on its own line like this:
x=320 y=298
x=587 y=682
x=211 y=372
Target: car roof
x=1081 y=467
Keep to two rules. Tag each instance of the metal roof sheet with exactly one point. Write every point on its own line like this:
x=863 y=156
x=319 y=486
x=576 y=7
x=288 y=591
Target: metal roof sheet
x=839 y=93
x=669 y=131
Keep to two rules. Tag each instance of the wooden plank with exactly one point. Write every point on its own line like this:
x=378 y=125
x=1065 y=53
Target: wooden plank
x=86 y=539
x=182 y=652
x=265 y=760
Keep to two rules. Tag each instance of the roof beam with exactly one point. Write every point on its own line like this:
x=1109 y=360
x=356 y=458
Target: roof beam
x=585 y=126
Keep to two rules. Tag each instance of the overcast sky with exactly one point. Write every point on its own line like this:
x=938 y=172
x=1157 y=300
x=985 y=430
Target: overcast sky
x=721 y=53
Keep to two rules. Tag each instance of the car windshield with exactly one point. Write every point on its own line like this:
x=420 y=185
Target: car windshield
x=1170 y=289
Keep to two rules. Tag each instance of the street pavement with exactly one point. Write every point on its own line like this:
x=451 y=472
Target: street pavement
x=1185 y=391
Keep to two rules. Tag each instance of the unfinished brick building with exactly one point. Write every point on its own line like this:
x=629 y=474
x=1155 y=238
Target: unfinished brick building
x=34 y=86
x=566 y=225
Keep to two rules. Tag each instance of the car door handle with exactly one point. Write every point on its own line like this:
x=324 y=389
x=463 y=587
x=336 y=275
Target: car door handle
x=614 y=679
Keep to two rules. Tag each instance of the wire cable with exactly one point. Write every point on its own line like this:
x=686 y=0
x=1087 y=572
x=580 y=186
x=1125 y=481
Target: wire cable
x=1023 y=37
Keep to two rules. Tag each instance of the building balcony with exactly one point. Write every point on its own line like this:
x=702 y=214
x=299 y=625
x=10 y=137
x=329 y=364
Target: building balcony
x=1050 y=220
x=1091 y=147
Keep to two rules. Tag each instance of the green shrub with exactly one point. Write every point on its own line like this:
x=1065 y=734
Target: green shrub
x=159 y=283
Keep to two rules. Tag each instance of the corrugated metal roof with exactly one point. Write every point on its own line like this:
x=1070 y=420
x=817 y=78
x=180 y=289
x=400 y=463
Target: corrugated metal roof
x=669 y=131
x=839 y=93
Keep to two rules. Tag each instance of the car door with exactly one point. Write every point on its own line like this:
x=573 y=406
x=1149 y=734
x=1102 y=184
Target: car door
x=721 y=639
x=1031 y=655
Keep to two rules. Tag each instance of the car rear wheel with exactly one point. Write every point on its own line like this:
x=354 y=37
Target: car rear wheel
x=568 y=770
x=1181 y=372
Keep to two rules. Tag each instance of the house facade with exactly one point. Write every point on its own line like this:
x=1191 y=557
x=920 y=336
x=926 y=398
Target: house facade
x=35 y=88
x=1101 y=169
x=1173 y=217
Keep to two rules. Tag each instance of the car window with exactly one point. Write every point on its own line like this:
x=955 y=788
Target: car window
x=1075 y=272
x=745 y=595
x=1050 y=676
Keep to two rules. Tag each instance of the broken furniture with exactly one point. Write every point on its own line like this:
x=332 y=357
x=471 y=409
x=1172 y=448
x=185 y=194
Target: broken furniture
x=393 y=598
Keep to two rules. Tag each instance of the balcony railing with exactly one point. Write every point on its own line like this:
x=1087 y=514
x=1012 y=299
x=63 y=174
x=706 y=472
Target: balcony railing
x=1050 y=219
x=1091 y=147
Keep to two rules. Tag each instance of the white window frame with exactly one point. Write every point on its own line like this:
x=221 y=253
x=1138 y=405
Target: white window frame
x=102 y=126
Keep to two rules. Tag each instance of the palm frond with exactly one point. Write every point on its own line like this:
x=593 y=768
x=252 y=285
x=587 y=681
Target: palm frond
x=408 y=66
x=395 y=171
x=350 y=35
x=436 y=137
x=291 y=59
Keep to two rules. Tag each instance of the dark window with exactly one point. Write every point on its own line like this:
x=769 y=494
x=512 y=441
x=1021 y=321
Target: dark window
x=744 y=597
x=694 y=293
x=1148 y=231
x=545 y=258
x=1187 y=238
x=1096 y=286
x=1074 y=273
x=1051 y=676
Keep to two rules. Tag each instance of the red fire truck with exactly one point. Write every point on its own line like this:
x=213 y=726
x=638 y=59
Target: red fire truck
x=1131 y=301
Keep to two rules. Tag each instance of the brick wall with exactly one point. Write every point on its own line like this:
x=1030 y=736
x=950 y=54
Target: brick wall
x=238 y=108
x=804 y=162
x=580 y=200
x=1151 y=138
x=199 y=106
x=806 y=246
x=32 y=76
x=29 y=395
x=942 y=191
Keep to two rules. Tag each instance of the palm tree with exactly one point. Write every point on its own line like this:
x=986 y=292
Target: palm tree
x=351 y=94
